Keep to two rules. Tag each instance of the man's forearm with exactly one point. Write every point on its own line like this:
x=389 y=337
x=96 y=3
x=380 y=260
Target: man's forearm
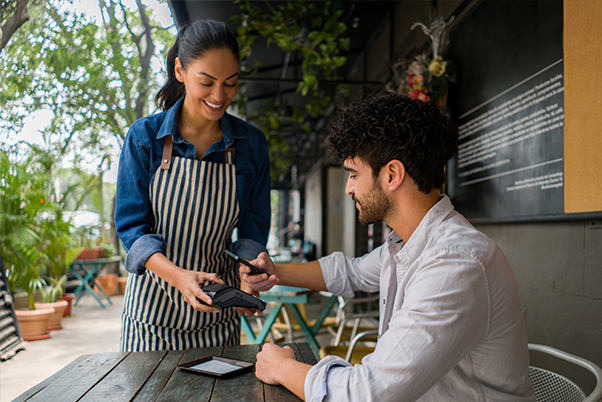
x=292 y=376
x=306 y=275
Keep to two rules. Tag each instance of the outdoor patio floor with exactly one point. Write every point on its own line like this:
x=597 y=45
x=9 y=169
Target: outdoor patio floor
x=90 y=329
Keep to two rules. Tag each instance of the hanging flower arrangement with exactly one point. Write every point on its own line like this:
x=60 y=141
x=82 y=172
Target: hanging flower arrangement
x=427 y=76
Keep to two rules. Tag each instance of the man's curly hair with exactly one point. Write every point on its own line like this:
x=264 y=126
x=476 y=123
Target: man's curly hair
x=388 y=126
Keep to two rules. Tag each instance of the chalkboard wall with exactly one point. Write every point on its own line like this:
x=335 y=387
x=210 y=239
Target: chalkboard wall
x=509 y=106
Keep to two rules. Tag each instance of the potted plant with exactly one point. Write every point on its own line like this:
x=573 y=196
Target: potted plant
x=51 y=300
x=70 y=256
x=33 y=322
x=22 y=200
x=92 y=253
x=109 y=283
x=59 y=245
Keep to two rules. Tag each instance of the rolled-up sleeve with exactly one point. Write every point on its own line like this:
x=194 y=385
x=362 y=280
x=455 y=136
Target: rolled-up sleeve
x=344 y=275
x=316 y=385
x=141 y=251
x=133 y=219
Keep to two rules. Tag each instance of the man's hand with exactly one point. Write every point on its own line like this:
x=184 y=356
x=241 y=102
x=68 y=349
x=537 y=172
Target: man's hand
x=262 y=282
x=276 y=365
x=271 y=362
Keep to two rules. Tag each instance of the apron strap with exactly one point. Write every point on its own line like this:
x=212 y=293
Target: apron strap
x=229 y=149
x=167 y=148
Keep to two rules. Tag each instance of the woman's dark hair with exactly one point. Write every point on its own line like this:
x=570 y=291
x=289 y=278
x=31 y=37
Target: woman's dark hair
x=193 y=42
x=388 y=126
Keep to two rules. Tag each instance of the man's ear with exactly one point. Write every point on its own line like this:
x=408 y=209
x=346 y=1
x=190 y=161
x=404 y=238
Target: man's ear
x=179 y=70
x=395 y=172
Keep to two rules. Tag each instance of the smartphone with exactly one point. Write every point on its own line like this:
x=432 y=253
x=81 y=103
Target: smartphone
x=245 y=262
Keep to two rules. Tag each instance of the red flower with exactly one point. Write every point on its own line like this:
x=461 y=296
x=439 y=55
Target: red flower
x=420 y=94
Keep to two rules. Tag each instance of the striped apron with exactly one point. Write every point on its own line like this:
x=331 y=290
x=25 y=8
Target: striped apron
x=194 y=207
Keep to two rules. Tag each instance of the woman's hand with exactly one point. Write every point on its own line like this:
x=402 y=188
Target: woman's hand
x=187 y=282
x=262 y=282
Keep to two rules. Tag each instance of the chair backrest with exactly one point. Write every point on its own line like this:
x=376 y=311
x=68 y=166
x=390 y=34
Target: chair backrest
x=552 y=387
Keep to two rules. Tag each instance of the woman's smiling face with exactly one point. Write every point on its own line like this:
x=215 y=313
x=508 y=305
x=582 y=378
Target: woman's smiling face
x=211 y=83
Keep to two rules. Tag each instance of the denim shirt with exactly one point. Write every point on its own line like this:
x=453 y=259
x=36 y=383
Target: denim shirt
x=141 y=157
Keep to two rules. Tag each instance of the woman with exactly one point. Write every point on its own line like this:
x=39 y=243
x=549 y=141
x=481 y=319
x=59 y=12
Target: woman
x=187 y=177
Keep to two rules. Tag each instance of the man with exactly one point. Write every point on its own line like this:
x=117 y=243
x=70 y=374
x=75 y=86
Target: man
x=451 y=327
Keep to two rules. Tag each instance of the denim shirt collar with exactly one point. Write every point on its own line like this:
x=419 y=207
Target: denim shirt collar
x=170 y=127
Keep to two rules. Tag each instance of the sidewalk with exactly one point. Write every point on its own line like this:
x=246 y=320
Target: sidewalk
x=91 y=329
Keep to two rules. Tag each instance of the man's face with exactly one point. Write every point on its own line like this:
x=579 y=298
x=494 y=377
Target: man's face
x=370 y=199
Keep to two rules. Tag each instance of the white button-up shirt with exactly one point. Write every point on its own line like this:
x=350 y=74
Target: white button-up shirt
x=451 y=327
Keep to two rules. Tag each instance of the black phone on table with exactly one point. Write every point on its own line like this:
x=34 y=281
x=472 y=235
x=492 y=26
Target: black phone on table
x=255 y=269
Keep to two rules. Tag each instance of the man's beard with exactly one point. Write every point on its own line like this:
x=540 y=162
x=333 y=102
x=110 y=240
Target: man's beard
x=375 y=205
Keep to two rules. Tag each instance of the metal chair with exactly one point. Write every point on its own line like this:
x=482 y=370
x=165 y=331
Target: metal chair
x=343 y=333
x=286 y=321
x=552 y=387
x=352 y=352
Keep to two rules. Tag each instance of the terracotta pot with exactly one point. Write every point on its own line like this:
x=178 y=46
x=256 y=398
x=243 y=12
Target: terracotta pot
x=122 y=281
x=54 y=322
x=108 y=283
x=92 y=254
x=69 y=298
x=34 y=323
x=21 y=299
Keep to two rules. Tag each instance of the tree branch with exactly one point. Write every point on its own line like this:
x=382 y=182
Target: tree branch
x=145 y=60
x=13 y=23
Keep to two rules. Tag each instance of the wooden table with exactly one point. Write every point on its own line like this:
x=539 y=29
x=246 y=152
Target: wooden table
x=153 y=376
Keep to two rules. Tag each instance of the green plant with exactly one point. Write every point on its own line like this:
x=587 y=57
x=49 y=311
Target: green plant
x=22 y=202
x=28 y=274
x=92 y=243
x=57 y=242
x=36 y=244
x=57 y=288
x=53 y=292
x=314 y=30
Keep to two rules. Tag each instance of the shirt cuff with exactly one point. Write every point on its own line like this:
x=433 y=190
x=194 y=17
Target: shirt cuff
x=316 y=387
x=247 y=248
x=141 y=251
